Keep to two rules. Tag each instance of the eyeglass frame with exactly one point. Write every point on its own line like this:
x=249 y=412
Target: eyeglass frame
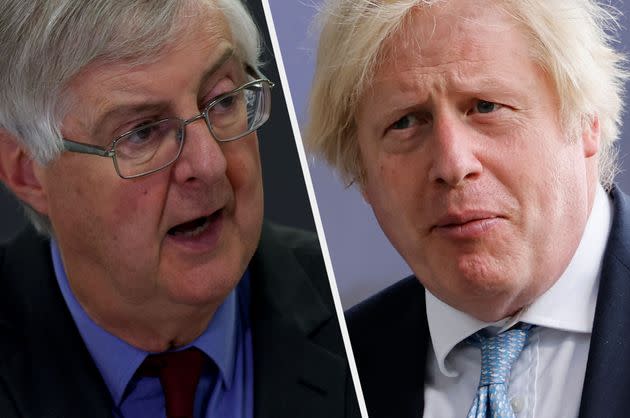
x=109 y=151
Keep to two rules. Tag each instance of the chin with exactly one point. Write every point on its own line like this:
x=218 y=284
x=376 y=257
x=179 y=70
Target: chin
x=208 y=282
x=472 y=279
x=485 y=285
x=490 y=297
x=201 y=290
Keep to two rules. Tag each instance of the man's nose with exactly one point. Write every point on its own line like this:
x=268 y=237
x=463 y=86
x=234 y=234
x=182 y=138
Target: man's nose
x=454 y=158
x=202 y=158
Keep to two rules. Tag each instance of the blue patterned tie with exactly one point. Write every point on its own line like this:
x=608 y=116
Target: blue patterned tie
x=498 y=354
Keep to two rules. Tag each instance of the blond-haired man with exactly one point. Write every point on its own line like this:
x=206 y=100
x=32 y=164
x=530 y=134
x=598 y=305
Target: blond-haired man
x=481 y=133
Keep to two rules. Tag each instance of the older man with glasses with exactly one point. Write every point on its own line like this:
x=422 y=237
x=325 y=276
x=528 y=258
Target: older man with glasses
x=154 y=146
x=155 y=288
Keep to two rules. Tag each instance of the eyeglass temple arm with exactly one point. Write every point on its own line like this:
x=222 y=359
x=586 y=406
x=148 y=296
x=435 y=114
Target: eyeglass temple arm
x=86 y=149
x=255 y=72
x=94 y=150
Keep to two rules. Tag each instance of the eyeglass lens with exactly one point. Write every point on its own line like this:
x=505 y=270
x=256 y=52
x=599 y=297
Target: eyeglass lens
x=156 y=145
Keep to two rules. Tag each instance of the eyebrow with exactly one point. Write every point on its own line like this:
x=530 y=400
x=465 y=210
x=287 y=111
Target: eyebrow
x=227 y=55
x=115 y=111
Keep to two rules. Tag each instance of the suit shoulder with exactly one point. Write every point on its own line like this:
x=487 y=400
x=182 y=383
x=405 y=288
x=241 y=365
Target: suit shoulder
x=26 y=244
x=389 y=334
x=304 y=247
x=394 y=316
x=22 y=261
x=297 y=240
x=388 y=304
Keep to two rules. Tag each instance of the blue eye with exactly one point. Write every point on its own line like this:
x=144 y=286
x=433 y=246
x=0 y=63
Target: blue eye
x=405 y=122
x=483 y=106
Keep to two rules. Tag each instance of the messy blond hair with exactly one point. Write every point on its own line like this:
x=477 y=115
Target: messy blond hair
x=571 y=41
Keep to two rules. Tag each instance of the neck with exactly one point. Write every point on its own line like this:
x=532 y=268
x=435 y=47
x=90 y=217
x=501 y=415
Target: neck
x=150 y=328
x=147 y=320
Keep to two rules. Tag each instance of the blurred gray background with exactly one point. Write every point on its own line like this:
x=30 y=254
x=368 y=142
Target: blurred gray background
x=362 y=258
x=286 y=200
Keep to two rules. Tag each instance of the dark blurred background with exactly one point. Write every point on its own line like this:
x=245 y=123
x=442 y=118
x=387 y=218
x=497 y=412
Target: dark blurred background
x=286 y=200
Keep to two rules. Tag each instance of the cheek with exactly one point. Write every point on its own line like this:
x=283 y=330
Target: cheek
x=138 y=202
x=527 y=163
x=566 y=190
x=376 y=173
x=75 y=190
x=546 y=180
x=375 y=187
x=100 y=204
x=245 y=177
x=243 y=165
x=394 y=190
x=395 y=183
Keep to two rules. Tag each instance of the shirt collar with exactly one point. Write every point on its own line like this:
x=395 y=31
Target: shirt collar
x=117 y=360
x=553 y=309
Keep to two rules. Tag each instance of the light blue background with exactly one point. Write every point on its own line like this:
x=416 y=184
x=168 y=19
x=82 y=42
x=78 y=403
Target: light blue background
x=363 y=260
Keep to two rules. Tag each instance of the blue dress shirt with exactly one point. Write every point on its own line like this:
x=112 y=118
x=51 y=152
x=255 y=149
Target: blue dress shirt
x=223 y=391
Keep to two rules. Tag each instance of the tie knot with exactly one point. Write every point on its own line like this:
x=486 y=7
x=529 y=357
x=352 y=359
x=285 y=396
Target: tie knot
x=169 y=362
x=498 y=354
x=179 y=373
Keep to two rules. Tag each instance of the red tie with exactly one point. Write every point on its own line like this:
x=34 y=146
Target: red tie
x=179 y=374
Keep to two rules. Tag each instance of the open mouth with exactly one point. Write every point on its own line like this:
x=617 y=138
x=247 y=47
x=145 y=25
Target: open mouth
x=195 y=227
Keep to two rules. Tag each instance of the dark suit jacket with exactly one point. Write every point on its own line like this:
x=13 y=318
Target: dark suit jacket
x=299 y=358
x=390 y=336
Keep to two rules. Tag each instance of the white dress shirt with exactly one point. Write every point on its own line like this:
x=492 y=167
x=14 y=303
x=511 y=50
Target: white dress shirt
x=547 y=379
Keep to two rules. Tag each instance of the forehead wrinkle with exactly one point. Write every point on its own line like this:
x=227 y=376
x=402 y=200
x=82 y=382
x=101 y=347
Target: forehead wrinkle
x=431 y=30
x=442 y=76
x=133 y=81
x=470 y=64
x=209 y=24
x=414 y=87
x=460 y=67
x=127 y=92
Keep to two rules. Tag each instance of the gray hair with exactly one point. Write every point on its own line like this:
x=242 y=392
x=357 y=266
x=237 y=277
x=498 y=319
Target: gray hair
x=571 y=40
x=44 y=44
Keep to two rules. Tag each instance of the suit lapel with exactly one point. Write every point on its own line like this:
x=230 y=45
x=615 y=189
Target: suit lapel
x=50 y=372
x=423 y=355
x=409 y=360
x=608 y=368
x=45 y=366
x=293 y=375
x=390 y=340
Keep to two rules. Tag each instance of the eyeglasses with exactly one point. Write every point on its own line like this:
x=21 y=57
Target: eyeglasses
x=154 y=146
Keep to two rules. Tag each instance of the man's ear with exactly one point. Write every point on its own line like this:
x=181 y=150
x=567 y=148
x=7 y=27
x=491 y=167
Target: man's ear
x=591 y=134
x=21 y=174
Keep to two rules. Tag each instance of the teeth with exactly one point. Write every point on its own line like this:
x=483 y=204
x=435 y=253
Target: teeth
x=193 y=232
